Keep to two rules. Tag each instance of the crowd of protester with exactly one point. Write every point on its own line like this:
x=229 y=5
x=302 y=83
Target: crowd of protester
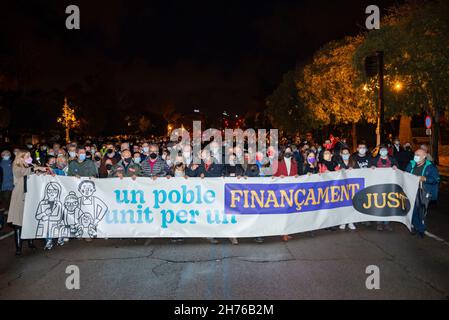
x=154 y=159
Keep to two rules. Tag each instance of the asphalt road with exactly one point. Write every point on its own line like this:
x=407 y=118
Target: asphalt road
x=328 y=265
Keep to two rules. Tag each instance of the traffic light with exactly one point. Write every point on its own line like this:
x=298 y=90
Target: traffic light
x=371 y=67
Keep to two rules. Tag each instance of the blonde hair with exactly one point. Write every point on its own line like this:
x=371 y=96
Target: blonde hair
x=19 y=161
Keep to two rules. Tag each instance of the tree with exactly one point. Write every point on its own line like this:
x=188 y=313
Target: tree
x=285 y=110
x=68 y=119
x=170 y=115
x=144 y=124
x=415 y=40
x=329 y=90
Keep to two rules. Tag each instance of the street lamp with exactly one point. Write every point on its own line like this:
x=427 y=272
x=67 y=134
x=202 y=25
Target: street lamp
x=398 y=86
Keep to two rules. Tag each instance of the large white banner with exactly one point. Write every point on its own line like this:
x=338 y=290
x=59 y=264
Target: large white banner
x=214 y=207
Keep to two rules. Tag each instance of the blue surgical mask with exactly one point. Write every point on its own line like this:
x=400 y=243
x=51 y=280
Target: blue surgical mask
x=82 y=156
x=6 y=158
x=417 y=159
x=383 y=153
x=345 y=157
x=136 y=160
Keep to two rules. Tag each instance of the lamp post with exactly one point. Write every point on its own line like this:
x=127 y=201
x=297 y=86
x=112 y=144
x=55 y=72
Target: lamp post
x=381 y=117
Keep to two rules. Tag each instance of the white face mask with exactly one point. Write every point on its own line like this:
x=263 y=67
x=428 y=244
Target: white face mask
x=362 y=151
x=417 y=159
x=72 y=154
x=146 y=149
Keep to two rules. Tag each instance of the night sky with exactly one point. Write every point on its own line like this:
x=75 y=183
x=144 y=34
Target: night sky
x=212 y=55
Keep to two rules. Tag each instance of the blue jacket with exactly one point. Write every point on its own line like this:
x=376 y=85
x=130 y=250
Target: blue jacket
x=6 y=175
x=430 y=171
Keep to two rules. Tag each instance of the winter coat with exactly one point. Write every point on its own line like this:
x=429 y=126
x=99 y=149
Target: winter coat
x=282 y=169
x=430 y=171
x=160 y=168
x=15 y=215
x=6 y=175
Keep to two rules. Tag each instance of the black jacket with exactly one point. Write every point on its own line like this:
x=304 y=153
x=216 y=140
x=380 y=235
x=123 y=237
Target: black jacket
x=237 y=170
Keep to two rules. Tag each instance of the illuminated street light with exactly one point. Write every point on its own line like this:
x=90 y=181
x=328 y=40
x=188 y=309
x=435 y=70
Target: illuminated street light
x=398 y=86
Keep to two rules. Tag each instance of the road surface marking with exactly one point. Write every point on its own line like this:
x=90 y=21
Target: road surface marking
x=431 y=235
x=7 y=235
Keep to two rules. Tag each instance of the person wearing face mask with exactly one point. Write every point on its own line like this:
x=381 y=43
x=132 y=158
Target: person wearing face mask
x=404 y=156
x=60 y=168
x=191 y=168
x=310 y=163
x=56 y=147
x=51 y=162
x=287 y=166
x=209 y=166
x=6 y=185
x=383 y=160
x=327 y=164
x=22 y=168
x=345 y=164
x=270 y=163
x=71 y=150
x=397 y=148
x=108 y=167
x=125 y=167
x=137 y=158
x=145 y=151
x=298 y=156
x=109 y=156
x=154 y=166
x=344 y=161
x=361 y=159
x=97 y=159
x=82 y=167
x=178 y=169
x=430 y=178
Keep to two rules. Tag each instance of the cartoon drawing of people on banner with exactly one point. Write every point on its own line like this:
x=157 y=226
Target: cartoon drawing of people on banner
x=92 y=207
x=71 y=215
x=49 y=212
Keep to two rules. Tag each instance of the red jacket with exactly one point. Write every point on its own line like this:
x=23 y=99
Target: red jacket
x=282 y=169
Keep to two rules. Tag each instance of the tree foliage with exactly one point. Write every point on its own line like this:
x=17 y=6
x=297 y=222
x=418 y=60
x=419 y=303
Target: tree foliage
x=329 y=87
x=286 y=110
x=415 y=41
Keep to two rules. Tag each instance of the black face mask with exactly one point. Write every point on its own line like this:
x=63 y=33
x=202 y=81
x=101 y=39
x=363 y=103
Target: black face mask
x=288 y=155
x=97 y=158
x=108 y=166
x=153 y=155
x=109 y=151
x=127 y=160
